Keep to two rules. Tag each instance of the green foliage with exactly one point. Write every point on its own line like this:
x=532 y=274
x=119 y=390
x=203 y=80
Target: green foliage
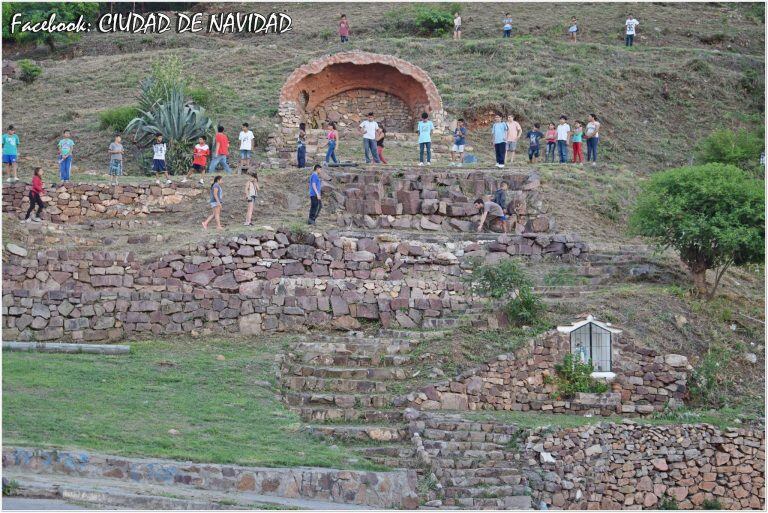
x=668 y=502
x=711 y=504
x=180 y=125
x=741 y=149
x=201 y=96
x=573 y=377
x=709 y=379
x=36 y=12
x=167 y=75
x=117 y=119
x=10 y=488
x=712 y=214
x=29 y=71
x=422 y=19
x=260 y=136
x=525 y=309
x=498 y=281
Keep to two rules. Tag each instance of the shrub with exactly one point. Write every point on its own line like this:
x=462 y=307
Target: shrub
x=422 y=19
x=200 y=96
x=525 y=309
x=741 y=149
x=712 y=214
x=29 y=71
x=498 y=281
x=668 y=502
x=167 y=76
x=117 y=119
x=573 y=377
x=711 y=504
x=709 y=379
x=260 y=136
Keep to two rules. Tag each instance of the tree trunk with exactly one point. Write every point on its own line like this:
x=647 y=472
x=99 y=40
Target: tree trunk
x=699 y=276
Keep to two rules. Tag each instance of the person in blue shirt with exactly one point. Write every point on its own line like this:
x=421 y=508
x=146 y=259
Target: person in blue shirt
x=507 y=25
x=499 y=136
x=215 y=202
x=534 y=137
x=11 y=153
x=315 y=195
x=65 y=156
x=425 y=138
x=459 y=140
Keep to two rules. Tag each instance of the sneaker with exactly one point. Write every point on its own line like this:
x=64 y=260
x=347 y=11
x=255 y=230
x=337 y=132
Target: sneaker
x=202 y=182
x=421 y=163
x=36 y=219
x=247 y=224
x=429 y=163
x=157 y=182
x=24 y=221
x=168 y=182
x=184 y=180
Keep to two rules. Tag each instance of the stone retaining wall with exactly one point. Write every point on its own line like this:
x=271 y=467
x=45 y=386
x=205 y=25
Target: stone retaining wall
x=637 y=466
x=75 y=202
x=645 y=382
x=349 y=108
x=396 y=489
x=435 y=200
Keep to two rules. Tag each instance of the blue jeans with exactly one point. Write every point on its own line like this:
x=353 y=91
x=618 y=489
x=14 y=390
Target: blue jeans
x=301 y=156
x=550 y=155
x=629 y=40
x=592 y=148
x=64 y=167
x=215 y=163
x=331 y=153
x=562 y=150
x=370 y=150
x=428 y=147
x=501 y=152
x=508 y=33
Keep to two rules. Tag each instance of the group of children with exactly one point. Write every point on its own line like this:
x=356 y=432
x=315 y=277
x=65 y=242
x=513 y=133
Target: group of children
x=505 y=136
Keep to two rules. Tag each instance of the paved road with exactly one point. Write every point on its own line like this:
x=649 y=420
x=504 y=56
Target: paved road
x=20 y=503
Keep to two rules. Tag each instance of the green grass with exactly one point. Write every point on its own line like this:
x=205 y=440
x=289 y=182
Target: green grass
x=225 y=410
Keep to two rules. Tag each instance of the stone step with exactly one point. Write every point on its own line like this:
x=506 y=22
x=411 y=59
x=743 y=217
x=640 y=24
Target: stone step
x=311 y=383
x=364 y=349
x=477 y=460
x=444 y=322
x=475 y=432
x=361 y=433
x=449 y=474
x=338 y=400
x=492 y=491
x=335 y=414
x=415 y=335
x=346 y=359
x=512 y=502
x=510 y=479
x=356 y=373
x=391 y=451
x=447 y=447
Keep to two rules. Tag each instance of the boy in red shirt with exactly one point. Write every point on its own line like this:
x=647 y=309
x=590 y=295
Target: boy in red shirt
x=199 y=156
x=220 y=151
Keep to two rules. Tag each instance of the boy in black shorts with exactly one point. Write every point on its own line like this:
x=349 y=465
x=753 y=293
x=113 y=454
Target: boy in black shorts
x=199 y=158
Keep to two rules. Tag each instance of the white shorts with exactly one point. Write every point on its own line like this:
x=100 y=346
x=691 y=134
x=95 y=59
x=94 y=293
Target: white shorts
x=458 y=148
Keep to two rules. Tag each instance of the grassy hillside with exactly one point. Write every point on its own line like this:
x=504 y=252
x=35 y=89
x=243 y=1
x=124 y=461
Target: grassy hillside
x=696 y=67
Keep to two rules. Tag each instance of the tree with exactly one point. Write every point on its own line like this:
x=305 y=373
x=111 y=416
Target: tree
x=712 y=214
x=741 y=149
x=37 y=12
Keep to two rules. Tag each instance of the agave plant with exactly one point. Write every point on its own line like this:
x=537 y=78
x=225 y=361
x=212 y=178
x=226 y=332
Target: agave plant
x=179 y=123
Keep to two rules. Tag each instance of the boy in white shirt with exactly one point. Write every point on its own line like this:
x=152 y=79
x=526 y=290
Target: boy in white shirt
x=631 y=23
x=368 y=130
x=246 y=147
x=563 y=131
x=158 y=159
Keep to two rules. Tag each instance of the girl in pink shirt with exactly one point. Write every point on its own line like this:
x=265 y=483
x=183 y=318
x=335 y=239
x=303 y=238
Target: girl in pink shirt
x=344 y=29
x=551 y=137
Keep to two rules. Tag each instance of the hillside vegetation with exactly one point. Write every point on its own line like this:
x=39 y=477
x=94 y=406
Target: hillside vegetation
x=695 y=68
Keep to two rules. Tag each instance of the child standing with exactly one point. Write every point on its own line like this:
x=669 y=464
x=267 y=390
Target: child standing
x=158 y=159
x=499 y=134
x=301 y=146
x=333 y=140
x=573 y=29
x=65 y=156
x=578 y=131
x=551 y=138
x=459 y=141
x=593 y=137
x=563 y=131
x=631 y=23
x=315 y=195
x=199 y=156
x=507 y=25
x=11 y=153
x=220 y=151
x=456 y=26
x=35 y=196
x=514 y=130
x=368 y=129
x=534 y=136
x=380 y=135
x=425 y=138
x=344 y=29
x=116 y=158
x=251 y=192
x=246 y=147
x=215 y=202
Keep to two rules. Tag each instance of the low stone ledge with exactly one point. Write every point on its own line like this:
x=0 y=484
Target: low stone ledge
x=395 y=489
x=70 y=348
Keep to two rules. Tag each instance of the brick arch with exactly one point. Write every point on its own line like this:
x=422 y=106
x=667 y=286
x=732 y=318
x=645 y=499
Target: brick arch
x=310 y=85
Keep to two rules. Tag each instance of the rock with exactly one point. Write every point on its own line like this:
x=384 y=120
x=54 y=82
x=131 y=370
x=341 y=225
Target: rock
x=675 y=360
x=660 y=464
x=346 y=322
x=173 y=432
x=680 y=321
x=750 y=357
x=426 y=224
x=220 y=357
x=546 y=457
x=250 y=324
x=363 y=256
x=446 y=256
x=16 y=250
x=450 y=401
x=434 y=504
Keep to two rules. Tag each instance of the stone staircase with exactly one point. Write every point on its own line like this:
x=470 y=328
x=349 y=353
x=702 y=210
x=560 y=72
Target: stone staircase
x=477 y=464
